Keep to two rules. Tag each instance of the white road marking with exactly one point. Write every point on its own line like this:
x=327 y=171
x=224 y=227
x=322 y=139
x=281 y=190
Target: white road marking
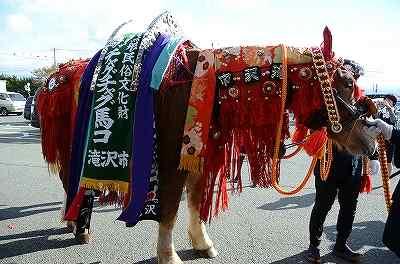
x=10 y=131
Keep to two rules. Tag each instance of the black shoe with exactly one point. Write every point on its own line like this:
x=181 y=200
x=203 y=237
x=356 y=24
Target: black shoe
x=313 y=255
x=345 y=252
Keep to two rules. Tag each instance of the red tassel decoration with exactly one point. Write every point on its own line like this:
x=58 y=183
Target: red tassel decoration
x=57 y=109
x=366 y=182
x=299 y=134
x=327 y=44
x=315 y=142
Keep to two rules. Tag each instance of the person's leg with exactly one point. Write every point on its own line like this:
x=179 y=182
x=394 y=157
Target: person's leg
x=349 y=189
x=324 y=199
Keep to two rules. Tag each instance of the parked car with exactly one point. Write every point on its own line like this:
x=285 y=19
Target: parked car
x=28 y=108
x=35 y=115
x=11 y=102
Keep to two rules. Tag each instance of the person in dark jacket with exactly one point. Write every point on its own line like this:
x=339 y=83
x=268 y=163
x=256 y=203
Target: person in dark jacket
x=391 y=234
x=344 y=181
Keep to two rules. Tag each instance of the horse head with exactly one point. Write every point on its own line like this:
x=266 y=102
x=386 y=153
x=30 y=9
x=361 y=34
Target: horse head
x=351 y=109
x=335 y=102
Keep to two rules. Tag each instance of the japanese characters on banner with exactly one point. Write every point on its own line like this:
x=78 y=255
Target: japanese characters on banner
x=151 y=208
x=110 y=134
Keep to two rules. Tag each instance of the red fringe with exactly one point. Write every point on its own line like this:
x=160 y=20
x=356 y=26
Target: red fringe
x=306 y=100
x=112 y=198
x=57 y=109
x=245 y=127
x=249 y=126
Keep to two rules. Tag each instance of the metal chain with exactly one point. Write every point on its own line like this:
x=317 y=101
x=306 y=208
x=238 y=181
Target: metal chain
x=326 y=89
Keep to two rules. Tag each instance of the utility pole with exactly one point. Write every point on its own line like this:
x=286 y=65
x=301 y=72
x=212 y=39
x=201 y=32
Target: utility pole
x=54 y=57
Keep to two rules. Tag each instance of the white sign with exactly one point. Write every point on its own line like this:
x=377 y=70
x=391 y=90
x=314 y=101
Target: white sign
x=3 y=85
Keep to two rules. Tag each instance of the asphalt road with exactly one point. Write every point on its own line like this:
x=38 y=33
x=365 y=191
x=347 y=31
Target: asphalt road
x=261 y=226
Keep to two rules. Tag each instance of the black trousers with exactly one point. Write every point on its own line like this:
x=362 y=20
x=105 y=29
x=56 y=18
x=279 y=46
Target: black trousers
x=344 y=181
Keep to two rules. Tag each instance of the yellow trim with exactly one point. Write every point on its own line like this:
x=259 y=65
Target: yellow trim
x=190 y=163
x=112 y=185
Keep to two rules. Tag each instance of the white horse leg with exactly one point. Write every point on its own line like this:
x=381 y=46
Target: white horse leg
x=166 y=253
x=196 y=229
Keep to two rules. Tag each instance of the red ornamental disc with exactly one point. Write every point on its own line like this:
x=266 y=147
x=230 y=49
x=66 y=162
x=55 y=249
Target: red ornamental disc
x=268 y=87
x=233 y=92
x=305 y=73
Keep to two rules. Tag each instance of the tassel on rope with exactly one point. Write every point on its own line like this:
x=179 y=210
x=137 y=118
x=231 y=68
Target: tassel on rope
x=366 y=185
x=315 y=142
x=299 y=134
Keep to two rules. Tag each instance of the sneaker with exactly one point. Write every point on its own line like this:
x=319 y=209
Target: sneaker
x=313 y=255
x=345 y=252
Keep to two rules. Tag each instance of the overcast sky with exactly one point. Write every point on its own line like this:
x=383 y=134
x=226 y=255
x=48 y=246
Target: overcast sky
x=363 y=30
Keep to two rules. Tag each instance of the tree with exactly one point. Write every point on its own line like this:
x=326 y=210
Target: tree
x=40 y=75
x=17 y=84
x=37 y=80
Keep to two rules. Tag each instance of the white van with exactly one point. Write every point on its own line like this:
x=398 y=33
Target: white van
x=11 y=102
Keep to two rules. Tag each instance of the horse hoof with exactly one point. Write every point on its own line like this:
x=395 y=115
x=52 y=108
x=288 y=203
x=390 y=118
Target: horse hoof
x=82 y=238
x=208 y=253
x=70 y=226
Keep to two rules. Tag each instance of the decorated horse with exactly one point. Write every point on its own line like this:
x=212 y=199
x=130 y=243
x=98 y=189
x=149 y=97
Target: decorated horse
x=151 y=113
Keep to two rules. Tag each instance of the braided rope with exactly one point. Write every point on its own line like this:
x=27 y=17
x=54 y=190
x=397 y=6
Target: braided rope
x=384 y=171
x=275 y=159
x=294 y=153
x=326 y=160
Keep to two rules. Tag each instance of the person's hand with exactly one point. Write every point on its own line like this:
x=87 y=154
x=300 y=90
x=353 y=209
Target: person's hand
x=372 y=130
x=373 y=126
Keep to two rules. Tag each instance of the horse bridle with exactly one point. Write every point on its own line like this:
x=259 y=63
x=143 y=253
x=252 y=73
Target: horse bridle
x=331 y=98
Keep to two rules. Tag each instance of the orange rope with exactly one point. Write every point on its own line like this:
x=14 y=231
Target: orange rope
x=326 y=160
x=384 y=170
x=293 y=153
x=275 y=159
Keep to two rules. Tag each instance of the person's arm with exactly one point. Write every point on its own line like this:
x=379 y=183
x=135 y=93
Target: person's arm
x=377 y=126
